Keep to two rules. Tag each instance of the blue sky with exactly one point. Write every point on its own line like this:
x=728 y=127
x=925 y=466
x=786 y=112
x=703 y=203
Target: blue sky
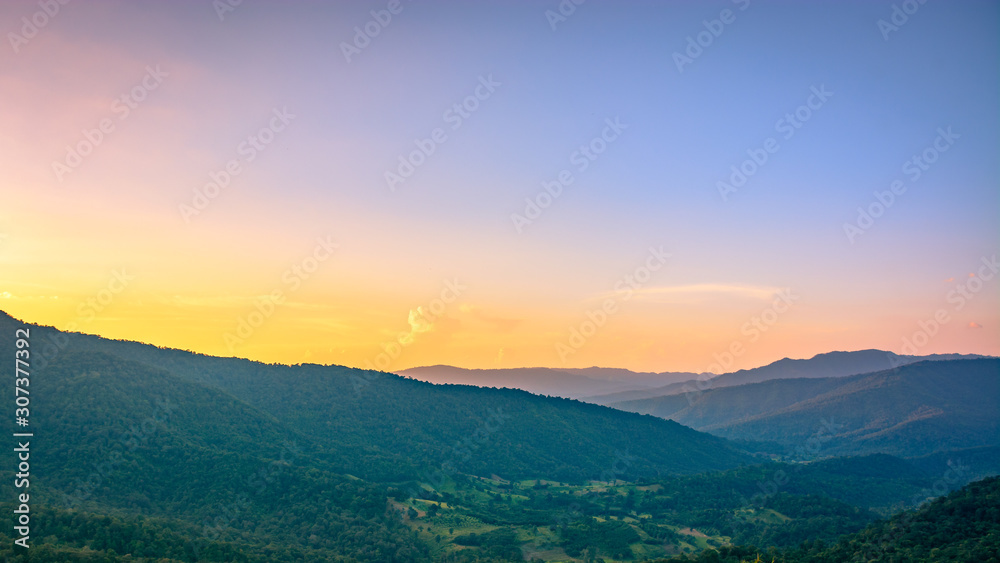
x=656 y=183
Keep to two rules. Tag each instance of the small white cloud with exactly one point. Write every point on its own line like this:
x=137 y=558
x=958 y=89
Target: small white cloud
x=418 y=322
x=418 y=325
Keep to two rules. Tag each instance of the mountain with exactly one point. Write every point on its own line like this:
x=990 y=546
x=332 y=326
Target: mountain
x=157 y=455
x=831 y=364
x=571 y=383
x=914 y=410
x=171 y=453
x=962 y=526
x=384 y=427
x=605 y=386
x=115 y=438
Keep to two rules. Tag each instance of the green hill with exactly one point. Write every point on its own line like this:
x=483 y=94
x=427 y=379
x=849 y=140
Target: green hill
x=168 y=454
x=961 y=527
x=385 y=427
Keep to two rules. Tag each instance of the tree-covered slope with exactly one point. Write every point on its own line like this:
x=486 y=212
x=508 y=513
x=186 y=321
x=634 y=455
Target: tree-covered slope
x=384 y=427
x=113 y=437
x=963 y=526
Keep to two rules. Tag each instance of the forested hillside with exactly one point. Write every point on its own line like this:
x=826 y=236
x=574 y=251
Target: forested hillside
x=149 y=454
x=961 y=527
x=291 y=462
x=385 y=427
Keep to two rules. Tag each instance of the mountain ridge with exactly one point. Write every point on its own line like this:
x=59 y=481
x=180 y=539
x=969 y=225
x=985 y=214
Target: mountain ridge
x=905 y=411
x=410 y=426
x=827 y=364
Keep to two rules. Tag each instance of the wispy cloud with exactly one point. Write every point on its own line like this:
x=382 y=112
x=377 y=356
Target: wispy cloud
x=698 y=292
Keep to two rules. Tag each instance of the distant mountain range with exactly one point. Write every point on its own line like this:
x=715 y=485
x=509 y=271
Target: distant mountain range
x=605 y=386
x=871 y=401
x=913 y=410
x=571 y=383
x=830 y=364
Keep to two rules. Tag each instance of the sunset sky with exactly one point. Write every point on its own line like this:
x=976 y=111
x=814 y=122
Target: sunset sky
x=310 y=114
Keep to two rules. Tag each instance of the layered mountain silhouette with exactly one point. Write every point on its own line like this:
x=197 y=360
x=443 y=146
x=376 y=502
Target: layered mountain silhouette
x=605 y=386
x=831 y=364
x=912 y=410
